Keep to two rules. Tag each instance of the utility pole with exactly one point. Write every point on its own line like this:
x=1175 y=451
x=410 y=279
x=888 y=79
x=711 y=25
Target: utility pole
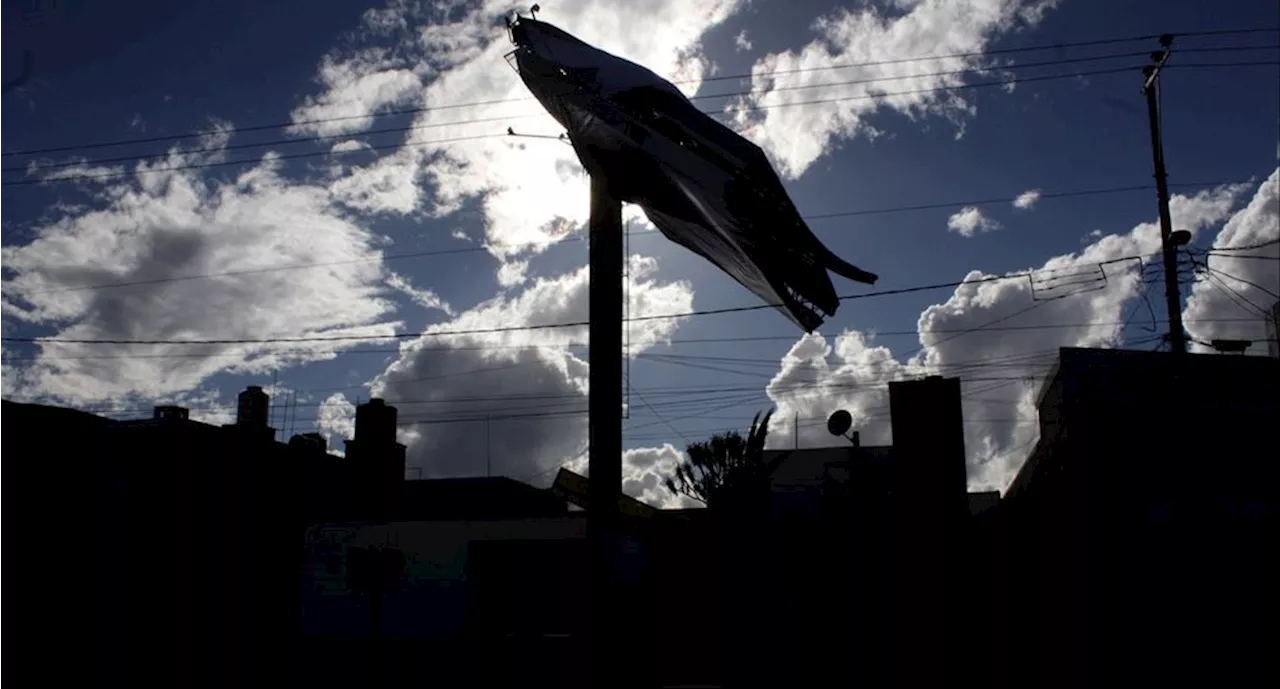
x=604 y=432
x=1169 y=249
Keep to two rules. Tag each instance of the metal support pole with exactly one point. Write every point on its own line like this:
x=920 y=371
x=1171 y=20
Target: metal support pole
x=604 y=454
x=1172 y=296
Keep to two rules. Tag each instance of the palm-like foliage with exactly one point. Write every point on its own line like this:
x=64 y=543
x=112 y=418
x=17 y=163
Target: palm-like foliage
x=722 y=463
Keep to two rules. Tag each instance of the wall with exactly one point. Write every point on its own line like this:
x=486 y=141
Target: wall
x=433 y=603
x=1136 y=537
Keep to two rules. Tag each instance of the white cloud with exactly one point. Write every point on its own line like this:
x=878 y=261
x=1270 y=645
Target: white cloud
x=388 y=185
x=528 y=190
x=348 y=146
x=1236 y=281
x=84 y=172
x=357 y=85
x=450 y=384
x=969 y=221
x=797 y=135
x=336 y=420
x=741 y=42
x=425 y=298
x=512 y=273
x=645 y=469
x=1000 y=369
x=1027 y=199
x=160 y=228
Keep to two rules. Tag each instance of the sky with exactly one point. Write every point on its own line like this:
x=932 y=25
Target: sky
x=341 y=175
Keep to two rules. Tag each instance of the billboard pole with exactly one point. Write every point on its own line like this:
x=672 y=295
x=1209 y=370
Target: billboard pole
x=604 y=454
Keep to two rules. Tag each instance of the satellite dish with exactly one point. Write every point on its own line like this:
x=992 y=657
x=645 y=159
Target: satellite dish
x=839 y=422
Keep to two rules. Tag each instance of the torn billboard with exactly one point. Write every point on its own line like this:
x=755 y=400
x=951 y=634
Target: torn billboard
x=704 y=186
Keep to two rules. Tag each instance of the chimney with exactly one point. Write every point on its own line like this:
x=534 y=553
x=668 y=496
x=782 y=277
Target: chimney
x=252 y=407
x=376 y=462
x=375 y=423
x=928 y=442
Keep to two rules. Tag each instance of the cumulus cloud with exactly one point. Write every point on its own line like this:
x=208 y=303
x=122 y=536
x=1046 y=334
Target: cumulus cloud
x=389 y=184
x=783 y=114
x=84 y=172
x=425 y=298
x=741 y=42
x=154 y=232
x=528 y=190
x=1237 y=281
x=349 y=146
x=525 y=390
x=356 y=85
x=986 y=333
x=512 y=273
x=644 y=469
x=336 y=420
x=1027 y=199
x=969 y=221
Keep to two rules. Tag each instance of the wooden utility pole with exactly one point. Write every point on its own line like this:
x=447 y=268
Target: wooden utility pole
x=1172 y=296
x=604 y=453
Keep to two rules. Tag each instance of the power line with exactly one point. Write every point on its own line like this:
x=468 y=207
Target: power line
x=244 y=161
x=655 y=412
x=713 y=113
x=1249 y=247
x=1234 y=296
x=501 y=101
x=731 y=94
x=768 y=106
x=1237 y=278
x=487 y=250
x=505 y=329
x=432 y=125
x=709 y=394
x=1150 y=309
x=686 y=396
x=707 y=340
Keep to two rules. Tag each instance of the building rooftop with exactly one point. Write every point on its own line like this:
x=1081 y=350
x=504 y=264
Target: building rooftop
x=495 y=497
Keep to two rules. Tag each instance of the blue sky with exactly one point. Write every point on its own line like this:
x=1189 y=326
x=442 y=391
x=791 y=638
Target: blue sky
x=160 y=69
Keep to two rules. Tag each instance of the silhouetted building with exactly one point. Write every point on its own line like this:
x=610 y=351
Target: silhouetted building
x=494 y=581
x=312 y=442
x=862 y=557
x=376 y=463
x=1141 y=529
x=253 y=407
x=50 y=458
x=194 y=530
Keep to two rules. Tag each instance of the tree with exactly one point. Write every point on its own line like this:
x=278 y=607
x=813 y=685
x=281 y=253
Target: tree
x=725 y=462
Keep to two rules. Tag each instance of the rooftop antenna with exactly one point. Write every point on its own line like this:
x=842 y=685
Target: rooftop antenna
x=293 y=420
x=271 y=405
x=839 y=424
